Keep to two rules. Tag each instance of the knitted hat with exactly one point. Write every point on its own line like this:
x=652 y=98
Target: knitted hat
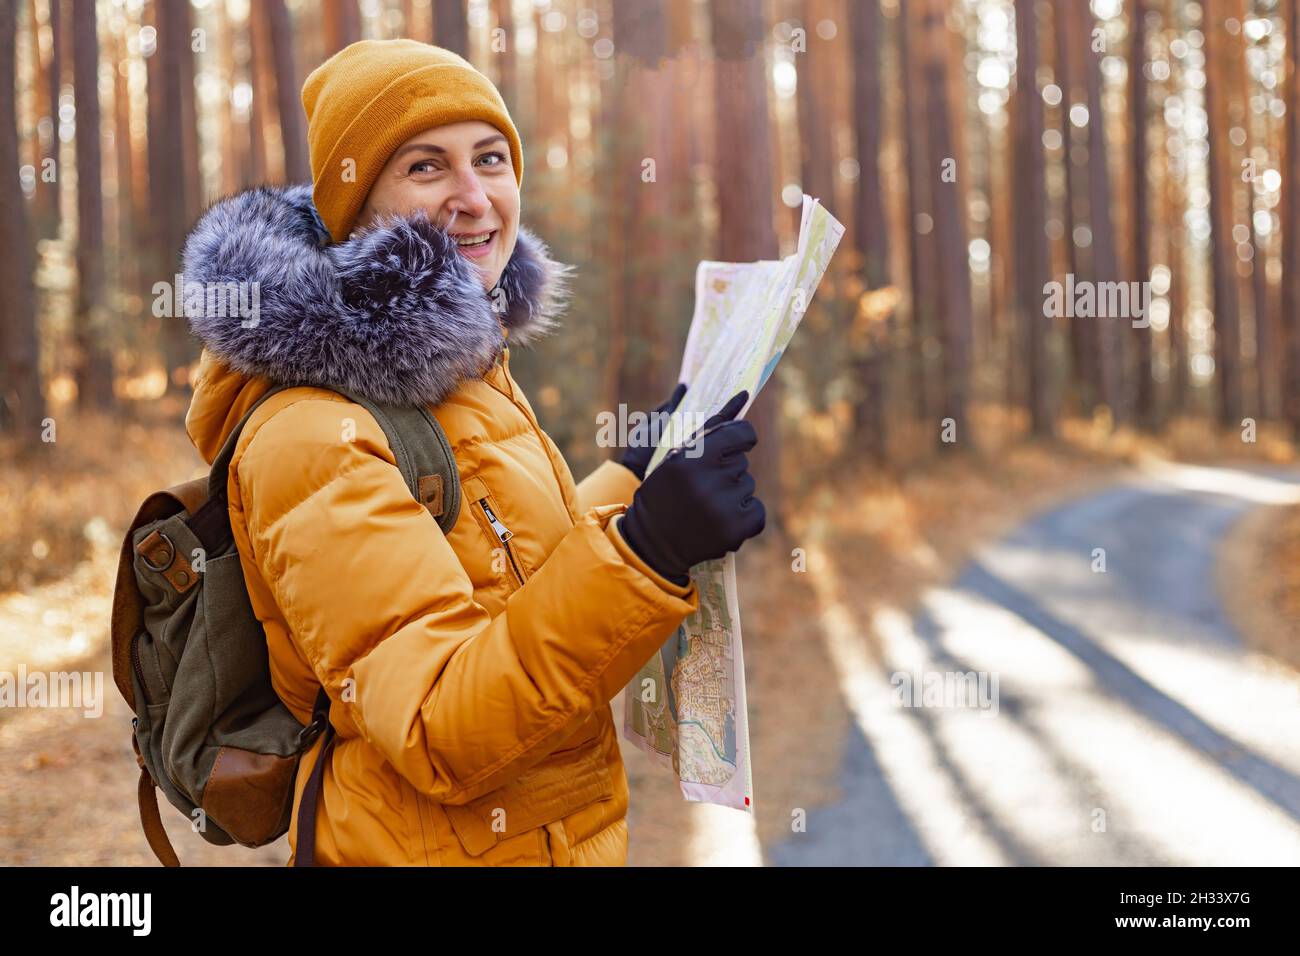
x=369 y=98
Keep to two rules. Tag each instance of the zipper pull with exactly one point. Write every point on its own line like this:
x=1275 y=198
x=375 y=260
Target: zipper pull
x=503 y=533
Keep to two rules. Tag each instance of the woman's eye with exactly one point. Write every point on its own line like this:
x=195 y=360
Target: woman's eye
x=428 y=165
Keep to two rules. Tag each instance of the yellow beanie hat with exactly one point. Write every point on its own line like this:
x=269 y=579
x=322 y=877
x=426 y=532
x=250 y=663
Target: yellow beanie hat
x=369 y=98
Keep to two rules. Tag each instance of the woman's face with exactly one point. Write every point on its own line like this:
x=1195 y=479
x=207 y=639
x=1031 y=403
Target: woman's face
x=460 y=175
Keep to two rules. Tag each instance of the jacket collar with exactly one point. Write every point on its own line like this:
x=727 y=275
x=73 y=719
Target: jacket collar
x=395 y=313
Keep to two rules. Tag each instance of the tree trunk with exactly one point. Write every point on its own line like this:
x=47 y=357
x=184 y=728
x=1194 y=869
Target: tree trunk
x=167 y=176
x=1174 y=200
x=342 y=23
x=1179 y=382
x=1290 y=216
x=293 y=128
x=22 y=407
x=1084 y=372
x=450 y=26
x=268 y=163
x=234 y=134
x=1227 y=330
x=128 y=264
x=1265 y=364
x=1145 y=401
x=93 y=366
x=747 y=230
x=920 y=246
x=649 y=211
x=950 y=230
x=1105 y=265
x=868 y=366
x=46 y=206
x=815 y=159
x=190 y=162
x=1032 y=267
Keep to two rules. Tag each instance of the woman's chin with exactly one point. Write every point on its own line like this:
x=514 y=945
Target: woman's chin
x=489 y=275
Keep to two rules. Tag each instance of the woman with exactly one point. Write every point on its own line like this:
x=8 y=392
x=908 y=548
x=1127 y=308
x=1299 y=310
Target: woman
x=469 y=673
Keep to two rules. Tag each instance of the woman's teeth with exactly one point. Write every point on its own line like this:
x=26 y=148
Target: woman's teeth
x=474 y=241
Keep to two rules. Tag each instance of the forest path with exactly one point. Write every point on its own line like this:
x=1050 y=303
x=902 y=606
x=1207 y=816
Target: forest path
x=1120 y=719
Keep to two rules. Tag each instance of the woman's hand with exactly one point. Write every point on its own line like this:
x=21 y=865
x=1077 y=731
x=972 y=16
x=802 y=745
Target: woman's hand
x=637 y=458
x=699 y=503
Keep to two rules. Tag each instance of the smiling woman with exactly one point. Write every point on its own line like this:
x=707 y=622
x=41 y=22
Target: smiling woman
x=466 y=654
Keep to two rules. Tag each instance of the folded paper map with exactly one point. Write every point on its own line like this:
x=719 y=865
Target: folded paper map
x=686 y=707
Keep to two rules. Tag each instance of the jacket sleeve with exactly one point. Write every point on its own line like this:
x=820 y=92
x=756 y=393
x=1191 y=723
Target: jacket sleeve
x=378 y=602
x=610 y=484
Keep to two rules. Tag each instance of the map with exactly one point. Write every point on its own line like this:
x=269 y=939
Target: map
x=686 y=707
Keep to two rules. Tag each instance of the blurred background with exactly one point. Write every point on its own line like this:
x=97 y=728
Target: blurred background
x=959 y=479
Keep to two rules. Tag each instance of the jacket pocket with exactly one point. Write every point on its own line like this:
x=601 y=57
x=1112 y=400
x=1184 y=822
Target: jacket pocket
x=562 y=784
x=505 y=557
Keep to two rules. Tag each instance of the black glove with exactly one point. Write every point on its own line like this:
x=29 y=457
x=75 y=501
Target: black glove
x=637 y=458
x=699 y=503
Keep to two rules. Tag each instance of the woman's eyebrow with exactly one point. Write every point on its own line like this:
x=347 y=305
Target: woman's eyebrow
x=430 y=148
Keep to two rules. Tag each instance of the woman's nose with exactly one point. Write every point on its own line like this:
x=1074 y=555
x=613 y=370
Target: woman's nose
x=468 y=198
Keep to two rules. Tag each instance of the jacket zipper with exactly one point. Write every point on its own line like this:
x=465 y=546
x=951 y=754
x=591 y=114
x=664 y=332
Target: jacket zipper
x=503 y=534
x=509 y=392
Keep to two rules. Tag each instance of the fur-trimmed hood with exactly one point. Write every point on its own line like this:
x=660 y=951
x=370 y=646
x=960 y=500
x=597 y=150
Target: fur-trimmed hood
x=395 y=313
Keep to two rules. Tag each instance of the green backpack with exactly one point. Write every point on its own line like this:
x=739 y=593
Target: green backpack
x=190 y=656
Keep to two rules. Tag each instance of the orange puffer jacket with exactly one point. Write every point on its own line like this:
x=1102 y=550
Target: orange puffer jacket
x=470 y=678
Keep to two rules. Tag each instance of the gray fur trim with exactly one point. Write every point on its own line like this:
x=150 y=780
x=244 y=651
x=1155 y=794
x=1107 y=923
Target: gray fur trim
x=394 y=313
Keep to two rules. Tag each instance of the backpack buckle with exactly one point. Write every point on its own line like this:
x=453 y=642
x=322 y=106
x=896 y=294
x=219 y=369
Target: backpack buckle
x=308 y=735
x=157 y=546
x=320 y=720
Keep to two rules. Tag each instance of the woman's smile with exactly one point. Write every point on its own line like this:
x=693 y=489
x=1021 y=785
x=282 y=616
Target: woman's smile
x=476 y=245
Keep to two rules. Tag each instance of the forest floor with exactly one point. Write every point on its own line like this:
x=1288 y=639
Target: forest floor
x=869 y=543
x=1259 y=577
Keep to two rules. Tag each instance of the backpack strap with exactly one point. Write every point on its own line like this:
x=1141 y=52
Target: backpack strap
x=220 y=471
x=305 y=848
x=146 y=796
x=428 y=467
x=418 y=442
